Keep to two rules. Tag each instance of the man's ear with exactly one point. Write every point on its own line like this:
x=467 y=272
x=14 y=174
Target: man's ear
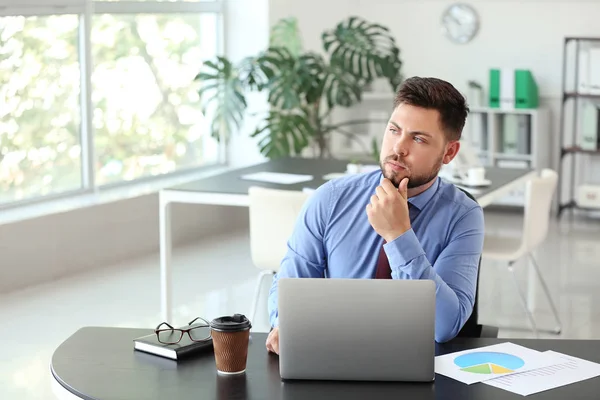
x=451 y=151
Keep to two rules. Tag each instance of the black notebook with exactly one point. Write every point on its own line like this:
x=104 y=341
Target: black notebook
x=185 y=348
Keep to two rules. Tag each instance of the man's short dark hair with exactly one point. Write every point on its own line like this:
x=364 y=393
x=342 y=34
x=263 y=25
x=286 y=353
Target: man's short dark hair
x=437 y=94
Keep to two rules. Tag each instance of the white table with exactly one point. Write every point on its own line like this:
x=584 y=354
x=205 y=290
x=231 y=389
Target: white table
x=228 y=189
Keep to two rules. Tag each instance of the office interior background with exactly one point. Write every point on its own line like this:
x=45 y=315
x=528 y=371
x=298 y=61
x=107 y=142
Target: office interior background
x=99 y=111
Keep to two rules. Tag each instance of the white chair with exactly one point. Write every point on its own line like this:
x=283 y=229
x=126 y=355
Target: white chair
x=538 y=200
x=273 y=214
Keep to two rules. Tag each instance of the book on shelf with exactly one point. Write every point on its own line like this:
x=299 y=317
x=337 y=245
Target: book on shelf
x=185 y=348
x=516 y=134
x=524 y=135
x=510 y=133
x=589 y=126
x=588 y=69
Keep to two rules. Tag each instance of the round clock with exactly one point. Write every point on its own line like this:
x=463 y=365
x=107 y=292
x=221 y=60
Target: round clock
x=460 y=23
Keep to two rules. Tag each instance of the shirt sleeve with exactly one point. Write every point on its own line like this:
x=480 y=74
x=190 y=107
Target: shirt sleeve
x=454 y=272
x=306 y=255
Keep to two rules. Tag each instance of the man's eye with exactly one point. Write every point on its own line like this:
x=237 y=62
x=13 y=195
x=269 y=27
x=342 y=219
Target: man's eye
x=418 y=139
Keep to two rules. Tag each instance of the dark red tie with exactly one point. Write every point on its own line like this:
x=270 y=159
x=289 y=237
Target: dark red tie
x=383 y=270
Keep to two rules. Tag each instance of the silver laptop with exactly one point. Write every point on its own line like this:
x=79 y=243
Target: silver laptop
x=356 y=329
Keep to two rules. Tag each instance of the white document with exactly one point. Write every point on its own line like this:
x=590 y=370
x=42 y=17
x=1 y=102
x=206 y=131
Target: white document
x=489 y=362
x=277 y=177
x=570 y=370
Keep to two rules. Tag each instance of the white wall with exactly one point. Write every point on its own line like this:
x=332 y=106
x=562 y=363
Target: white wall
x=56 y=245
x=524 y=34
x=246 y=34
x=534 y=39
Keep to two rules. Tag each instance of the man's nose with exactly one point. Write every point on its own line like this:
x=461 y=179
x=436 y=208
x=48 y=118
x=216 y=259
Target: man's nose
x=401 y=146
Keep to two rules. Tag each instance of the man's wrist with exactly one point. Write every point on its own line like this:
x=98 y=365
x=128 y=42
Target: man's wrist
x=403 y=249
x=396 y=234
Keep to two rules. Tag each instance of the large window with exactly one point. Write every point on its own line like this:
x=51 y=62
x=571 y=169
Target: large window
x=40 y=151
x=91 y=100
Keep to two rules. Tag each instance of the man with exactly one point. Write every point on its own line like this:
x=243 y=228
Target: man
x=424 y=228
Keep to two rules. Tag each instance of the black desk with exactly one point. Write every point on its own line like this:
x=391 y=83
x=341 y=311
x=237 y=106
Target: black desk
x=229 y=183
x=228 y=189
x=100 y=363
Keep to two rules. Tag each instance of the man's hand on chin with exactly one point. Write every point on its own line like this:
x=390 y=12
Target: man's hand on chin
x=388 y=210
x=273 y=341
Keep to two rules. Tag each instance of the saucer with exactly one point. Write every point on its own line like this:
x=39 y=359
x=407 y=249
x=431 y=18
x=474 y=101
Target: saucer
x=484 y=182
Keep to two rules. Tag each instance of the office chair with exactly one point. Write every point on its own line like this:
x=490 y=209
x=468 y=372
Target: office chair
x=472 y=328
x=538 y=201
x=273 y=213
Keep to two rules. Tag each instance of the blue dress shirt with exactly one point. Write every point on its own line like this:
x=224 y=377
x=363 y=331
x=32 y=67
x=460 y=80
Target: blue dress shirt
x=333 y=238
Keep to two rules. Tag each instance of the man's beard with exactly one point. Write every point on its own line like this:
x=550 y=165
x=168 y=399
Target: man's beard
x=414 y=180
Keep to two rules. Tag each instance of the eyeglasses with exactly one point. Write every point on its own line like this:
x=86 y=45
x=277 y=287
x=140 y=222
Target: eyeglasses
x=199 y=332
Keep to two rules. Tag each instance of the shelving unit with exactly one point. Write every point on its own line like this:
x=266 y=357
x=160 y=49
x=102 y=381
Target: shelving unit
x=582 y=88
x=510 y=138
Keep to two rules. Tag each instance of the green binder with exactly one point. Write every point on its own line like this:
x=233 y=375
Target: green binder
x=526 y=90
x=494 y=88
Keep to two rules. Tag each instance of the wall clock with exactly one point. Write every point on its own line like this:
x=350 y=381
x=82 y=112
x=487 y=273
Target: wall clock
x=460 y=23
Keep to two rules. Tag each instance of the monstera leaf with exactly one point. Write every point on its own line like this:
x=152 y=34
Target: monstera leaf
x=364 y=49
x=251 y=74
x=312 y=73
x=285 y=33
x=279 y=66
x=342 y=87
x=303 y=87
x=284 y=133
x=221 y=97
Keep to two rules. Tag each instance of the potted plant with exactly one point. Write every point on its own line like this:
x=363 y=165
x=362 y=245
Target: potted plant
x=303 y=88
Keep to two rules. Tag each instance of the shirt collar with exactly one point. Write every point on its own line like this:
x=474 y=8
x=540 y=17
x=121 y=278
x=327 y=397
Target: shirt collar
x=420 y=201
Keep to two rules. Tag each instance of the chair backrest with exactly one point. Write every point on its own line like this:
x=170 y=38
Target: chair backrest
x=471 y=328
x=273 y=214
x=538 y=201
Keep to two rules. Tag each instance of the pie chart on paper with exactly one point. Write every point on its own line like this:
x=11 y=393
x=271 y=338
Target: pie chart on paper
x=488 y=363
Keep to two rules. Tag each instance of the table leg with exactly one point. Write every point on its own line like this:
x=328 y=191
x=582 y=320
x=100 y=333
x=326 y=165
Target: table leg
x=165 y=259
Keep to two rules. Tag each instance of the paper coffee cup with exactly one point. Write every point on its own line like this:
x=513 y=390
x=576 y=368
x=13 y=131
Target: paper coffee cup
x=230 y=335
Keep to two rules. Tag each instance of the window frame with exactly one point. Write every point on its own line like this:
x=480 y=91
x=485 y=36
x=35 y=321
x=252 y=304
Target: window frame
x=85 y=13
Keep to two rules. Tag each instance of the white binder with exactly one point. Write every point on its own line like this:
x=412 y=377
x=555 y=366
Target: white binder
x=507 y=88
x=588 y=126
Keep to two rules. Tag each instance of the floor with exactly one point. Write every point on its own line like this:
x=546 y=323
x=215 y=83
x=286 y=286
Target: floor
x=216 y=278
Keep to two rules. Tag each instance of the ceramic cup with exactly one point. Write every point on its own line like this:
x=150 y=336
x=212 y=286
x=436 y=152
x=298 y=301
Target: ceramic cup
x=476 y=175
